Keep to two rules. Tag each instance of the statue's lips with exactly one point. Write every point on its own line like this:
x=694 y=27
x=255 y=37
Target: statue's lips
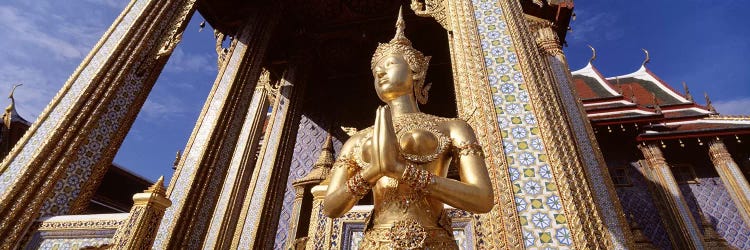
x=383 y=81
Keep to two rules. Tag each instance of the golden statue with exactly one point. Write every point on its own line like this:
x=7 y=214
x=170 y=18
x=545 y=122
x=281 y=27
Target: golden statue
x=404 y=159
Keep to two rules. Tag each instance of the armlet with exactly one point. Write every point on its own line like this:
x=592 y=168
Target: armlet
x=469 y=148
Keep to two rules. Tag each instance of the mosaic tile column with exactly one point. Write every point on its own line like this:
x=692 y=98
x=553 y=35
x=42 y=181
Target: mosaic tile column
x=196 y=184
x=680 y=224
x=603 y=189
x=140 y=229
x=260 y=210
x=55 y=168
x=501 y=227
x=731 y=177
x=226 y=213
x=516 y=101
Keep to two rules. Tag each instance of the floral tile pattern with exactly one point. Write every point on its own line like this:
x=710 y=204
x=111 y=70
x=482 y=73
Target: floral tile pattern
x=537 y=200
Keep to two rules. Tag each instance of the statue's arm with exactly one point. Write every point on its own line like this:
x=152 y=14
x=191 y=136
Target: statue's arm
x=474 y=191
x=338 y=200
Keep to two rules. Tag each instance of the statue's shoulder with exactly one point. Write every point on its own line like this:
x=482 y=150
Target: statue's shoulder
x=359 y=134
x=459 y=128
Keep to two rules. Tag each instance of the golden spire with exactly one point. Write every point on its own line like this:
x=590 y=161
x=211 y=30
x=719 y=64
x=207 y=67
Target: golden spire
x=322 y=167
x=400 y=37
x=158 y=187
x=326 y=154
x=687 y=92
x=647 y=60
x=593 y=54
x=10 y=111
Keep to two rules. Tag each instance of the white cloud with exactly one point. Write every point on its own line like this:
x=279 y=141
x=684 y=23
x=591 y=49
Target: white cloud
x=26 y=33
x=591 y=28
x=734 y=107
x=188 y=62
x=43 y=41
x=163 y=107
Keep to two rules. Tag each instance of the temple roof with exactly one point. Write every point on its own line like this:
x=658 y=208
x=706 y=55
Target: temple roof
x=641 y=97
x=644 y=85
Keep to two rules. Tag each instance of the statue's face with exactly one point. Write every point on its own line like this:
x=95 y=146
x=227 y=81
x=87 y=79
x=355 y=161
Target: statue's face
x=393 y=78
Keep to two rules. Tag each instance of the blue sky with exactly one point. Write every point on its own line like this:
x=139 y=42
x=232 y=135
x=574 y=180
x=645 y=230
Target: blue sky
x=701 y=42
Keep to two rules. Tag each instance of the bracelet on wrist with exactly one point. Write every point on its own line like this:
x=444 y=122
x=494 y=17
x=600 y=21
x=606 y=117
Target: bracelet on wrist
x=417 y=178
x=357 y=185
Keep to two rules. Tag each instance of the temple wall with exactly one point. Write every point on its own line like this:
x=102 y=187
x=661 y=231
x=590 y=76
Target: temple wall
x=715 y=202
x=637 y=201
x=707 y=193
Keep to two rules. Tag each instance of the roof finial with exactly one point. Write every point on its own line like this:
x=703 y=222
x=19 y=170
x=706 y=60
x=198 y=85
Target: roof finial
x=687 y=92
x=648 y=58
x=11 y=109
x=593 y=53
x=709 y=105
x=177 y=158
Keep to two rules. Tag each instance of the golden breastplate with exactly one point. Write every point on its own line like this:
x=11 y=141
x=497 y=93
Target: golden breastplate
x=419 y=137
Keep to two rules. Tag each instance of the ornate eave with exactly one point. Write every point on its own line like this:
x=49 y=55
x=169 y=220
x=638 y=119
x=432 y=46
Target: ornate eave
x=559 y=12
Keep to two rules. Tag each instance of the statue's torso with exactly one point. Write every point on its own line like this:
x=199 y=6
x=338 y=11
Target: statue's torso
x=424 y=140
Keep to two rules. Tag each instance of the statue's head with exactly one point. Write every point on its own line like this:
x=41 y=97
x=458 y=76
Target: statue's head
x=398 y=68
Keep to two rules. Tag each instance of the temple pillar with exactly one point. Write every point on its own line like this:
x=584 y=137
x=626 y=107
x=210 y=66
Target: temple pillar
x=56 y=167
x=139 y=230
x=501 y=227
x=679 y=222
x=198 y=180
x=228 y=207
x=258 y=219
x=597 y=174
x=731 y=176
x=549 y=190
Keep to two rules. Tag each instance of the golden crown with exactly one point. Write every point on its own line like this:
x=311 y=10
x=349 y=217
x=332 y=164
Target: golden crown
x=417 y=61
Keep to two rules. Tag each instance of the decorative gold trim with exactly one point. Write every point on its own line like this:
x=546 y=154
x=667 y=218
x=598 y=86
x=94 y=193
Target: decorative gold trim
x=436 y=9
x=86 y=222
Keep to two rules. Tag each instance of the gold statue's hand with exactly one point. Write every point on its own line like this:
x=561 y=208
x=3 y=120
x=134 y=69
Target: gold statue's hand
x=390 y=164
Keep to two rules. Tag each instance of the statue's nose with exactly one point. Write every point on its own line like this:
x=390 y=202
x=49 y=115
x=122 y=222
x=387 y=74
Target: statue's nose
x=379 y=72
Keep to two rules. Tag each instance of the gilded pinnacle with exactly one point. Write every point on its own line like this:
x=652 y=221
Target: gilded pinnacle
x=400 y=37
x=325 y=159
x=157 y=187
